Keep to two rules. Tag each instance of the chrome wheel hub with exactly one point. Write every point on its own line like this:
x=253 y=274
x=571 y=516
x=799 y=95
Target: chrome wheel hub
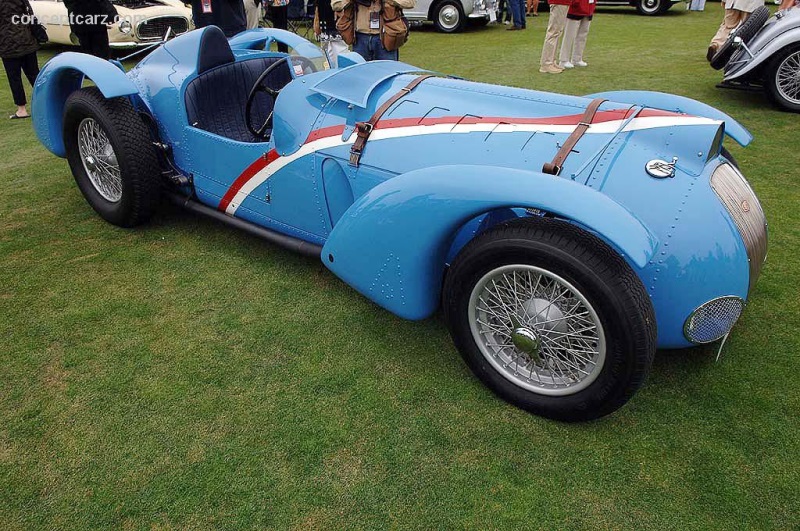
x=448 y=17
x=537 y=330
x=525 y=340
x=99 y=160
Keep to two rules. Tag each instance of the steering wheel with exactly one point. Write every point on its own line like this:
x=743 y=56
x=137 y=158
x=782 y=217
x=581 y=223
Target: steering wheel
x=260 y=86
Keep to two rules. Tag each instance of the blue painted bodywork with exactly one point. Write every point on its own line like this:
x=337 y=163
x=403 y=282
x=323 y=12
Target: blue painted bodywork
x=446 y=162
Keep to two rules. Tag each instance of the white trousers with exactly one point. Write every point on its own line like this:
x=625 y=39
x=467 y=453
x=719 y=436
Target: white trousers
x=555 y=27
x=575 y=34
x=253 y=13
x=332 y=48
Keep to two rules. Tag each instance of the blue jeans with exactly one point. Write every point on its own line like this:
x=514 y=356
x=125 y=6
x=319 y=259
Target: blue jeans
x=517 y=8
x=371 y=49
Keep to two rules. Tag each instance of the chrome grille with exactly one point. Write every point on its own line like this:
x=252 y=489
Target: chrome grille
x=713 y=319
x=154 y=29
x=743 y=206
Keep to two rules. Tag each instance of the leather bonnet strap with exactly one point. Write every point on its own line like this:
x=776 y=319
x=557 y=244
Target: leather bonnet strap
x=554 y=167
x=364 y=129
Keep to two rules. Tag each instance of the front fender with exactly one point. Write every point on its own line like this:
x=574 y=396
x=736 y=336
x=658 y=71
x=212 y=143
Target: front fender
x=59 y=78
x=391 y=244
x=671 y=102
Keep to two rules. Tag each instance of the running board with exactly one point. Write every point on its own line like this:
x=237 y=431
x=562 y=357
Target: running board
x=293 y=244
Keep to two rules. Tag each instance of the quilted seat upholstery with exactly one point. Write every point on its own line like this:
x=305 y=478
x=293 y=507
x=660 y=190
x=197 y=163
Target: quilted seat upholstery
x=216 y=99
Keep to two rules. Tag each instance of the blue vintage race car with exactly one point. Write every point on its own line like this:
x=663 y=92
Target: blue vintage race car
x=566 y=238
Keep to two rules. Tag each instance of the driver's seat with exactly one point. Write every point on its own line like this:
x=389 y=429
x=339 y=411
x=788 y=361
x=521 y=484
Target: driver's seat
x=216 y=98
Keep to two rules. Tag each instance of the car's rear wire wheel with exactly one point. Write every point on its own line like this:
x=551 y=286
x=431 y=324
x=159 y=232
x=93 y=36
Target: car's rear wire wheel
x=551 y=318
x=111 y=155
x=746 y=31
x=782 y=78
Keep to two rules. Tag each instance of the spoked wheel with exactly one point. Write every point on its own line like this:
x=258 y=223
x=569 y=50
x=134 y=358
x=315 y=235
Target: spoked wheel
x=111 y=156
x=99 y=160
x=536 y=329
x=782 y=79
x=551 y=318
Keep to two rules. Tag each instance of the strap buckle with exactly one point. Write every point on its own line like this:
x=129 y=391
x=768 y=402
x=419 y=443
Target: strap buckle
x=364 y=128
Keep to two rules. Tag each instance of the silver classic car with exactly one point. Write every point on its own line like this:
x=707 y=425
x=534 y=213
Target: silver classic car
x=764 y=54
x=450 y=16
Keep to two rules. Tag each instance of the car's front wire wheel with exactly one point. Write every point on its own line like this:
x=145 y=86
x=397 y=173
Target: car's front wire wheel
x=551 y=318
x=111 y=156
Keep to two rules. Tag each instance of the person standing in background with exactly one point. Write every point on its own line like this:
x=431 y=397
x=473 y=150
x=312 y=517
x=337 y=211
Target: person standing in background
x=579 y=18
x=228 y=15
x=328 y=36
x=252 y=13
x=736 y=12
x=533 y=8
x=504 y=8
x=18 y=49
x=279 y=11
x=89 y=21
x=555 y=27
x=368 y=23
x=517 y=8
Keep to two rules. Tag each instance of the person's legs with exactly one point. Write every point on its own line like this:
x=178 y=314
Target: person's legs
x=567 y=43
x=100 y=44
x=555 y=26
x=13 y=68
x=518 y=12
x=280 y=20
x=381 y=53
x=335 y=47
x=580 y=41
x=253 y=13
x=361 y=46
x=30 y=65
x=535 y=8
x=732 y=18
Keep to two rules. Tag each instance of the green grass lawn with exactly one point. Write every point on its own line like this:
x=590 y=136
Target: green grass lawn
x=184 y=375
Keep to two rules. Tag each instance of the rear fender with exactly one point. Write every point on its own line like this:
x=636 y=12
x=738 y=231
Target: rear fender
x=671 y=102
x=60 y=77
x=392 y=244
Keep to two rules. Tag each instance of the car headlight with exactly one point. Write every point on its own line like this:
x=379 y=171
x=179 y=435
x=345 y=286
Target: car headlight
x=125 y=27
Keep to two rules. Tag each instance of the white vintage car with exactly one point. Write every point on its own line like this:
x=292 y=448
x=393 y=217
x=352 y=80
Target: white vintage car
x=140 y=22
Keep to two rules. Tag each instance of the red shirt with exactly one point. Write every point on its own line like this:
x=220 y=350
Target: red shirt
x=581 y=8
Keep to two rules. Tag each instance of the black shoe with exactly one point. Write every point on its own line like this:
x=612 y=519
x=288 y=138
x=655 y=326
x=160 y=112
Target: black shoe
x=712 y=51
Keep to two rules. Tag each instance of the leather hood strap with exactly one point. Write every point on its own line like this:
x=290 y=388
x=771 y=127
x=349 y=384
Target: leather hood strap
x=364 y=129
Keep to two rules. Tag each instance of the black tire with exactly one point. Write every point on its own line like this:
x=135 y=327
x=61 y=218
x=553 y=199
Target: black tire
x=652 y=7
x=598 y=273
x=478 y=22
x=746 y=31
x=139 y=189
x=449 y=16
x=786 y=63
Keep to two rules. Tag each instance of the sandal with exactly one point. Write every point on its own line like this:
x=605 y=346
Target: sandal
x=15 y=116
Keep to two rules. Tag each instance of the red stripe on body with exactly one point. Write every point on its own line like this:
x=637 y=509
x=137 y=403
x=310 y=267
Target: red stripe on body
x=259 y=164
x=337 y=130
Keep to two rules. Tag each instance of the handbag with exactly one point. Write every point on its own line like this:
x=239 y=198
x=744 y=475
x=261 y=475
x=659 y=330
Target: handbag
x=37 y=29
x=395 y=27
x=346 y=23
